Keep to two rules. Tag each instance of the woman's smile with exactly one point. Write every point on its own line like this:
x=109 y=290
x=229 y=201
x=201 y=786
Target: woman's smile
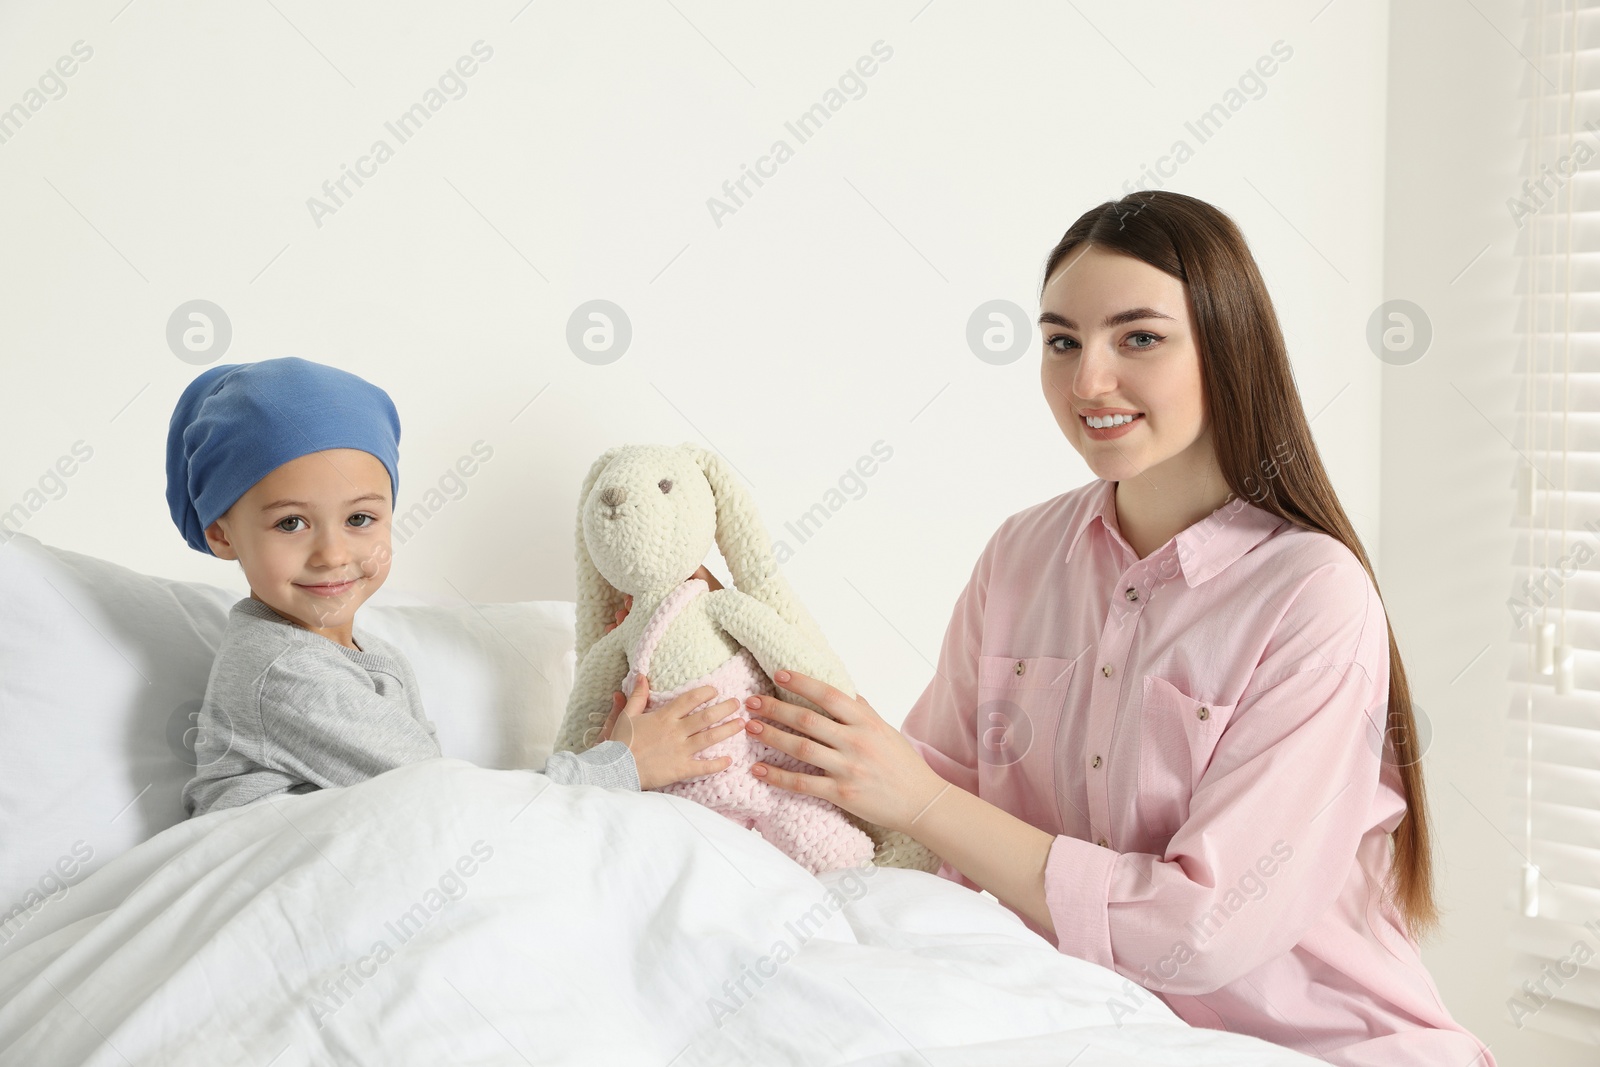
x=1111 y=426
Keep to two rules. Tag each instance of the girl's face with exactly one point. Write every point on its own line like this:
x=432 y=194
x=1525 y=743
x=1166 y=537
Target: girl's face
x=313 y=538
x=1119 y=339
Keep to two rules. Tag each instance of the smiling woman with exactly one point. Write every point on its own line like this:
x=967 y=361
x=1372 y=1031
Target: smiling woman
x=1122 y=757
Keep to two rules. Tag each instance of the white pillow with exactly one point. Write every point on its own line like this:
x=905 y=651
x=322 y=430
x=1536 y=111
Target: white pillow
x=102 y=671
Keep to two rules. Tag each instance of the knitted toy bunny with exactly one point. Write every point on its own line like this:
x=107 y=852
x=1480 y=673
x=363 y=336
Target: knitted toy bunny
x=647 y=515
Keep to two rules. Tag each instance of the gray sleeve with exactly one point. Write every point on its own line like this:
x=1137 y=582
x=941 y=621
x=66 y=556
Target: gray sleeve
x=229 y=748
x=328 y=726
x=609 y=764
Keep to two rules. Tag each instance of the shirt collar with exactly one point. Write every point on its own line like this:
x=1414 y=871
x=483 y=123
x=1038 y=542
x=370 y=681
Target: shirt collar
x=1205 y=548
x=260 y=609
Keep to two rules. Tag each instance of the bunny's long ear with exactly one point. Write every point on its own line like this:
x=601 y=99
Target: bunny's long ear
x=598 y=600
x=742 y=539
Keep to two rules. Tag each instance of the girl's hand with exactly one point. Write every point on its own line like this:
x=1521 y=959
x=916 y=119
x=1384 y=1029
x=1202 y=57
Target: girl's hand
x=622 y=613
x=627 y=599
x=664 y=741
x=871 y=769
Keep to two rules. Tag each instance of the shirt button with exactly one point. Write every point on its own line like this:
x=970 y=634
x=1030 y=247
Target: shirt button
x=1204 y=713
x=1021 y=666
x=1106 y=670
x=1131 y=593
x=1097 y=761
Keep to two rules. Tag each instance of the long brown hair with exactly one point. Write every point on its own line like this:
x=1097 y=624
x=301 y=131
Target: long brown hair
x=1244 y=370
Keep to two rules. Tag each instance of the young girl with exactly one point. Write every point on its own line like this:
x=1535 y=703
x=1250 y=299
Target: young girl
x=1169 y=726
x=292 y=469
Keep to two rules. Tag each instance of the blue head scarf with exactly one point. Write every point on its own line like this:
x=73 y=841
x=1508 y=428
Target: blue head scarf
x=237 y=423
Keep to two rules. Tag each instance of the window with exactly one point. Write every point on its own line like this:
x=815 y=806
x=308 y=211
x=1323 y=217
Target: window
x=1554 y=735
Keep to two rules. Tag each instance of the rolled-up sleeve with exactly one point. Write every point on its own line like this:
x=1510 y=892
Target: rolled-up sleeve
x=1274 y=823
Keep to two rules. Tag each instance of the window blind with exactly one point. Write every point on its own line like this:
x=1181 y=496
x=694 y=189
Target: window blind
x=1554 y=736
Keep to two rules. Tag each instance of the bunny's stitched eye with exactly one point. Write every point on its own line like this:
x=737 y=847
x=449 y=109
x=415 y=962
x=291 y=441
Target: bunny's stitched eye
x=665 y=485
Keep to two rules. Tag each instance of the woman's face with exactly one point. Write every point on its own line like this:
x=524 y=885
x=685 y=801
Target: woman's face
x=1119 y=338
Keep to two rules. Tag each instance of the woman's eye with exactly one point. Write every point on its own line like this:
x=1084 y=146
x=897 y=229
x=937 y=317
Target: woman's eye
x=665 y=485
x=1153 y=339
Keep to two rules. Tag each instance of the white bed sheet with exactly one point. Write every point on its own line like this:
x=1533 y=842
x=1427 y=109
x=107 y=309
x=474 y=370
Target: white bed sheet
x=594 y=927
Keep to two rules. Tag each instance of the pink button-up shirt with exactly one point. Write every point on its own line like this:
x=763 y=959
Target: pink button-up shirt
x=1202 y=730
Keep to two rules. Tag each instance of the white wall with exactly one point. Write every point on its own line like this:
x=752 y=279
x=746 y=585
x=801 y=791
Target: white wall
x=1454 y=115
x=826 y=314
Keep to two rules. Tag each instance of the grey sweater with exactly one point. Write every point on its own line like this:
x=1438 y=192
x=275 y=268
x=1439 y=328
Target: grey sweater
x=289 y=711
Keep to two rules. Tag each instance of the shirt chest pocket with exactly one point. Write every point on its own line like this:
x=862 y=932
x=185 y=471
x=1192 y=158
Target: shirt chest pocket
x=1020 y=700
x=1178 y=734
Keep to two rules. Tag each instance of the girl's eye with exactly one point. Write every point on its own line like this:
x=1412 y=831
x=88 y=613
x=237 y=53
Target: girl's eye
x=358 y=515
x=1154 y=339
x=665 y=485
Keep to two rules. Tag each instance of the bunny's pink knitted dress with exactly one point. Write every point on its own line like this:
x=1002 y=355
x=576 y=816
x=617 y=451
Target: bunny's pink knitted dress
x=811 y=831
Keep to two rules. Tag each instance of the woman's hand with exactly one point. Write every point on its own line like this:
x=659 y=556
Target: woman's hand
x=627 y=599
x=664 y=741
x=871 y=769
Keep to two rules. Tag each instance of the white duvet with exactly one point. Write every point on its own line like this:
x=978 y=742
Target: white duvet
x=447 y=914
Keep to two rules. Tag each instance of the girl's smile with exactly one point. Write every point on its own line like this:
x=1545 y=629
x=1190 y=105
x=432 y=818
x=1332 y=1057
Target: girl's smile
x=329 y=590
x=338 y=531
